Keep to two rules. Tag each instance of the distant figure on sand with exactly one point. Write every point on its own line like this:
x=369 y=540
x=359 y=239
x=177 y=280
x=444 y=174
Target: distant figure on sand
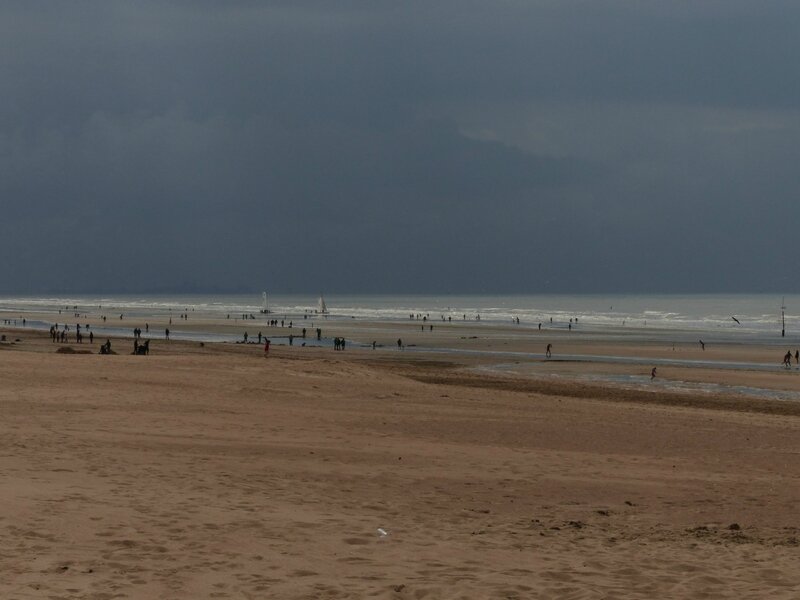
x=548 y=352
x=653 y=374
x=702 y=345
x=399 y=344
x=797 y=356
x=166 y=333
x=266 y=346
x=787 y=360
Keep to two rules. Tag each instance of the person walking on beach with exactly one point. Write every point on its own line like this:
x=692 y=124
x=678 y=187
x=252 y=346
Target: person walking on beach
x=797 y=357
x=399 y=344
x=548 y=352
x=653 y=374
x=266 y=346
x=787 y=360
x=166 y=333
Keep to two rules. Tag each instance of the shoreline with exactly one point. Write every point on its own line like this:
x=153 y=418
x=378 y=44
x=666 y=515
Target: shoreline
x=733 y=368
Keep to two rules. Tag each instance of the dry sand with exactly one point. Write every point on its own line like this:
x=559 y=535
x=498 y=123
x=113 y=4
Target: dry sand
x=213 y=472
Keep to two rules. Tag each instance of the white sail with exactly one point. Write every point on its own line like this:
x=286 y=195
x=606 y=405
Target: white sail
x=264 y=310
x=321 y=308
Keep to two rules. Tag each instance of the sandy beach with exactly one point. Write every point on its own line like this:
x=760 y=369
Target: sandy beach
x=213 y=472
x=399 y=300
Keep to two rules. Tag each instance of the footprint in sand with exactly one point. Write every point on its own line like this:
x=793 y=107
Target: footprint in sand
x=357 y=541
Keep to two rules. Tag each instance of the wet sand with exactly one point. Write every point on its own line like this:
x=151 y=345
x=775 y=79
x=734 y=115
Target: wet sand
x=213 y=472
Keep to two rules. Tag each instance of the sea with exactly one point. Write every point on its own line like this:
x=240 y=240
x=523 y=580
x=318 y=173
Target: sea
x=745 y=317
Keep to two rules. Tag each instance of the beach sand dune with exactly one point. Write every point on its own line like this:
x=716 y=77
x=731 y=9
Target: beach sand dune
x=217 y=473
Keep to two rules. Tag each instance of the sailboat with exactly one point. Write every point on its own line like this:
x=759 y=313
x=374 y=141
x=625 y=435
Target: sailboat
x=321 y=308
x=265 y=310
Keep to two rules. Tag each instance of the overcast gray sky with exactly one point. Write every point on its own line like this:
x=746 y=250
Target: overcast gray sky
x=385 y=146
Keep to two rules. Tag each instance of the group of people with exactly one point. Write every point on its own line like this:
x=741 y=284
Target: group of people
x=787 y=359
x=62 y=335
x=449 y=319
x=338 y=343
x=274 y=323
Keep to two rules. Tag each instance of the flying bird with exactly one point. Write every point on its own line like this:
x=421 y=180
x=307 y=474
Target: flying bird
x=737 y=320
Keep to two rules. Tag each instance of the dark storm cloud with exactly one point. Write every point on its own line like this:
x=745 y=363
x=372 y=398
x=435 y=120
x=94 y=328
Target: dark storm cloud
x=384 y=146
